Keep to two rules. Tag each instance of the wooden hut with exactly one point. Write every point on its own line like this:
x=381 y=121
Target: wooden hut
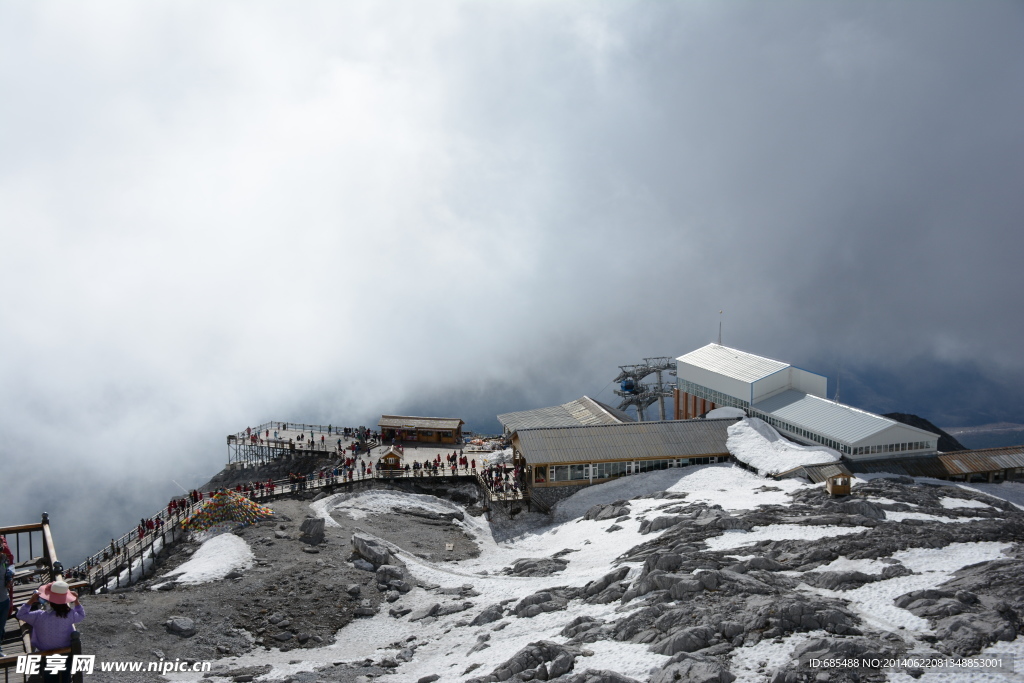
x=838 y=485
x=392 y=459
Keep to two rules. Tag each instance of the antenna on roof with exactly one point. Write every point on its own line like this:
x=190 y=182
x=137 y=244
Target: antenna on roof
x=835 y=399
x=719 y=328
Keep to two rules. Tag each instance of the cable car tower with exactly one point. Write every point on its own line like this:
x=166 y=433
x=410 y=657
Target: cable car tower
x=635 y=393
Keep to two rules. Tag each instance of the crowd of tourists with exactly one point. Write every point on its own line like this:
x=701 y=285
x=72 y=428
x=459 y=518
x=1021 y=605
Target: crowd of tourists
x=355 y=463
x=301 y=441
x=502 y=478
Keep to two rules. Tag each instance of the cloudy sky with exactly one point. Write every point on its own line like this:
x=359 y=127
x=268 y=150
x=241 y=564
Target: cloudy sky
x=216 y=214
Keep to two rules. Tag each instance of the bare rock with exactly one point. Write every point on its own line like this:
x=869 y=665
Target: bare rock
x=181 y=626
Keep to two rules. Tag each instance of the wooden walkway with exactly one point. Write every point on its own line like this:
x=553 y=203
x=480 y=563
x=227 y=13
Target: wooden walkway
x=129 y=558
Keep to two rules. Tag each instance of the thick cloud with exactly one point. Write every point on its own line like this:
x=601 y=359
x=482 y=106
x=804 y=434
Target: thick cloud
x=214 y=215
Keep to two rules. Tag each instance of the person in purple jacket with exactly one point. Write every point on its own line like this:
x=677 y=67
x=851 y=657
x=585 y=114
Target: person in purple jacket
x=51 y=629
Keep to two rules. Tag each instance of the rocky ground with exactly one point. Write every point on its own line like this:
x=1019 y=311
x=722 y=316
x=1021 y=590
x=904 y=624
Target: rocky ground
x=672 y=594
x=298 y=594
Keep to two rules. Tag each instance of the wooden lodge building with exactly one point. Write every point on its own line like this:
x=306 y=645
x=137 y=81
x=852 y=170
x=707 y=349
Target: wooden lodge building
x=557 y=461
x=986 y=465
x=404 y=428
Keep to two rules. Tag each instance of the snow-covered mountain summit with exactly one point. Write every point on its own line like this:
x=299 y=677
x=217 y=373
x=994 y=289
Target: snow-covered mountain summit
x=696 y=574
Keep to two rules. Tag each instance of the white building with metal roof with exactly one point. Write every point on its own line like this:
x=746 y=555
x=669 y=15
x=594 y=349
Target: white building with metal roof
x=790 y=399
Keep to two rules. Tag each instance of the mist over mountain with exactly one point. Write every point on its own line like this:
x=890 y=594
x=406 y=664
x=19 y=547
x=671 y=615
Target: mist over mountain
x=219 y=215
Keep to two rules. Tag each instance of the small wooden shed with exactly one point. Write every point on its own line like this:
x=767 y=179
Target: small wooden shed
x=392 y=459
x=835 y=475
x=838 y=485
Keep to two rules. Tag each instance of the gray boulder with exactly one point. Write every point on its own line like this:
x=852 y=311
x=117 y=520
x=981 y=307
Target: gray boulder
x=181 y=626
x=846 y=648
x=452 y=608
x=424 y=612
x=387 y=573
x=531 y=566
x=490 y=614
x=371 y=549
x=580 y=625
x=649 y=526
x=864 y=508
x=544 y=601
x=546 y=659
x=599 y=585
x=608 y=511
x=365 y=609
x=967 y=634
x=602 y=676
x=685 y=640
x=312 y=531
x=685 y=668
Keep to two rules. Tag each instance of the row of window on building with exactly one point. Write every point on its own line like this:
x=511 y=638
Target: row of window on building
x=892 y=448
x=801 y=432
x=543 y=474
x=716 y=397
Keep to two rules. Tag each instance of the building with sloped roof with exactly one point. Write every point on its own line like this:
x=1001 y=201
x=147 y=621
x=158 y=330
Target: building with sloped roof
x=792 y=400
x=982 y=465
x=583 y=411
x=403 y=428
x=589 y=454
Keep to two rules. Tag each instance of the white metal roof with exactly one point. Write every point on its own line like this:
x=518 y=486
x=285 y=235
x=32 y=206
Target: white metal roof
x=828 y=418
x=740 y=365
x=582 y=411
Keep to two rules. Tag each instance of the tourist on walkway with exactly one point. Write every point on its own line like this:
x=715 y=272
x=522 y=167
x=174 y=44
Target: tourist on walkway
x=52 y=629
x=6 y=598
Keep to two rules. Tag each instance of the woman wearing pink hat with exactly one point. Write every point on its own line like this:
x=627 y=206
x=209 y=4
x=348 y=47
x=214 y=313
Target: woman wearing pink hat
x=51 y=630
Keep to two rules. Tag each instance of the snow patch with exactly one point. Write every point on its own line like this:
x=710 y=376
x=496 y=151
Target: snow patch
x=215 y=559
x=378 y=502
x=873 y=602
x=727 y=485
x=890 y=501
x=750 y=664
x=893 y=516
x=778 y=532
x=954 y=503
x=756 y=443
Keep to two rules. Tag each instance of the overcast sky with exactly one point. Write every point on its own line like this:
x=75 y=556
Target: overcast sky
x=216 y=214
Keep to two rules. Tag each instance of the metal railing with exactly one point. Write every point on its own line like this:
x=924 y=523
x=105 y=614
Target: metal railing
x=122 y=555
x=296 y=427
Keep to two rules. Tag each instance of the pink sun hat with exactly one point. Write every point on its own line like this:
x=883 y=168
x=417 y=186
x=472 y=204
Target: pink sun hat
x=57 y=593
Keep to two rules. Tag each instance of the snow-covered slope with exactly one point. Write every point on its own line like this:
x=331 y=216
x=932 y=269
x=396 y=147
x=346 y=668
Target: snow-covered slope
x=704 y=571
x=756 y=443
